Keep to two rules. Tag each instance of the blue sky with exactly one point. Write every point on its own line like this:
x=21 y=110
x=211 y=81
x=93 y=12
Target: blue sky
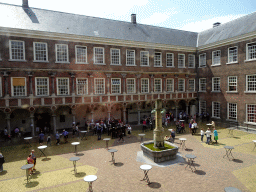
x=189 y=15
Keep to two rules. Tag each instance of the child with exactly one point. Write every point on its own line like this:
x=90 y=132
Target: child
x=173 y=135
x=33 y=156
x=57 y=138
x=208 y=136
x=215 y=134
x=30 y=161
x=1 y=162
x=49 y=140
x=202 y=134
x=129 y=130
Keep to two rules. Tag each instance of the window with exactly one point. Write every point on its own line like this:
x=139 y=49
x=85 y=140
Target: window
x=181 y=60
x=158 y=85
x=216 y=58
x=61 y=53
x=98 y=55
x=251 y=113
x=158 y=59
x=144 y=85
x=81 y=54
x=42 y=86
x=202 y=84
x=202 y=107
x=251 y=83
x=216 y=109
x=181 y=85
x=216 y=84
x=191 y=85
x=202 y=60
x=144 y=58
x=17 y=50
x=169 y=85
x=191 y=61
x=232 y=55
x=251 y=51
x=130 y=84
x=115 y=56
x=62 y=86
x=232 y=83
x=115 y=85
x=232 y=111
x=169 y=60
x=130 y=57
x=99 y=84
x=40 y=51
x=82 y=86
x=19 y=87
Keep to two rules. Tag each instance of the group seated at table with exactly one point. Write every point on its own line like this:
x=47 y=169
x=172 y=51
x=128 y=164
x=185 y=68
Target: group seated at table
x=180 y=127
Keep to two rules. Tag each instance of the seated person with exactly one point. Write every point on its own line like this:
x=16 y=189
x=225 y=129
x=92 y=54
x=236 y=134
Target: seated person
x=172 y=135
x=166 y=138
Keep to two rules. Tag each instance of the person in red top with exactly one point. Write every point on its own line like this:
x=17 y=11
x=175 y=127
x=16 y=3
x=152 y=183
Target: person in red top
x=30 y=161
x=144 y=125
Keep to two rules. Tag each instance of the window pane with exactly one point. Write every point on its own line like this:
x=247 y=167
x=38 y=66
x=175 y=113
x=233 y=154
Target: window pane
x=81 y=54
x=40 y=51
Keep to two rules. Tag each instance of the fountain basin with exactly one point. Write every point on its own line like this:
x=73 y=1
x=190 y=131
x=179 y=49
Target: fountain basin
x=160 y=156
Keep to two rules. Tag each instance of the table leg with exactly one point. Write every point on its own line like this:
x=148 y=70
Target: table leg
x=146 y=176
x=90 y=187
x=230 y=153
x=74 y=163
x=42 y=152
x=113 y=159
x=75 y=150
x=27 y=174
x=254 y=146
x=107 y=144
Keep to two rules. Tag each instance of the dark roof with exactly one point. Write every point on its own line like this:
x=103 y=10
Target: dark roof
x=237 y=27
x=66 y=23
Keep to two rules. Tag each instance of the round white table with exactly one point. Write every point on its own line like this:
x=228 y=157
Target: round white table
x=75 y=144
x=141 y=137
x=190 y=158
x=112 y=151
x=90 y=179
x=182 y=143
x=84 y=135
x=27 y=167
x=42 y=149
x=107 y=140
x=146 y=168
x=209 y=125
x=254 y=141
x=74 y=159
x=228 y=151
x=28 y=140
x=232 y=189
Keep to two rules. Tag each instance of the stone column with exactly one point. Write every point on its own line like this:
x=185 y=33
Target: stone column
x=186 y=83
x=108 y=83
x=52 y=74
x=164 y=83
x=138 y=106
x=5 y=83
x=73 y=115
x=159 y=130
x=73 y=82
x=187 y=104
x=90 y=76
x=176 y=111
x=54 y=123
x=138 y=82
x=32 y=124
x=30 y=80
x=152 y=83
x=124 y=113
x=8 y=120
x=176 y=83
x=123 y=75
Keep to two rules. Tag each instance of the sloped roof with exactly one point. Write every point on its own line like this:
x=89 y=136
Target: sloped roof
x=52 y=21
x=237 y=27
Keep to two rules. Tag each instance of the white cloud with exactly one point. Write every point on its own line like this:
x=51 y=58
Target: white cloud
x=199 y=26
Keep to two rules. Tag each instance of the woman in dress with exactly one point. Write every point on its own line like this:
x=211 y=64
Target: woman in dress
x=129 y=130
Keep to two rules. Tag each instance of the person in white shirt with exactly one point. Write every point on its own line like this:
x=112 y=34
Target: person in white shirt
x=202 y=134
x=208 y=135
x=129 y=130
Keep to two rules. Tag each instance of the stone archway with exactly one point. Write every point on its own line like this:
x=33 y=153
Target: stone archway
x=192 y=107
x=64 y=117
x=3 y=121
x=21 y=118
x=43 y=117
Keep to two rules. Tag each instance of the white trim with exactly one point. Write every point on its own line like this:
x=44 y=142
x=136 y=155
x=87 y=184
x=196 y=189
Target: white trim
x=134 y=60
x=228 y=112
x=161 y=63
x=236 y=55
x=193 y=85
x=236 y=84
x=119 y=62
x=34 y=51
x=246 y=114
x=184 y=87
x=217 y=64
x=134 y=85
x=247 y=54
x=213 y=109
x=56 y=55
x=78 y=84
x=103 y=59
x=47 y=86
x=57 y=82
x=199 y=83
x=246 y=80
x=194 y=60
x=141 y=85
x=213 y=85
x=172 y=60
x=10 y=50
x=184 y=62
x=199 y=61
x=103 y=86
x=76 y=46
x=119 y=85
x=25 y=86
x=172 y=85
x=232 y=63
x=147 y=58
x=161 y=86
x=200 y=101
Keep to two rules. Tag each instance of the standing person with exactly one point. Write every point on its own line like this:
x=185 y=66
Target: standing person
x=65 y=134
x=129 y=128
x=208 y=135
x=41 y=138
x=57 y=138
x=173 y=135
x=16 y=131
x=202 y=134
x=99 y=131
x=195 y=126
x=144 y=125
x=215 y=134
x=33 y=156
x=49 y=140
x=73 y=130
x=121 y=136
x=86 y=125
x=30 y=161
x=1 y=162
x=190 y=126
x=5 y=134
x=77 y=130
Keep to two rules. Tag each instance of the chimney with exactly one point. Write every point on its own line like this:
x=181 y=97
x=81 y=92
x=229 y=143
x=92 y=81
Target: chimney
x=25 y=3
x=133 y=18
x=216 y=24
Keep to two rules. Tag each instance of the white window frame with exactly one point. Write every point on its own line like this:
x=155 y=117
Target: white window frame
x=36 y=86
x=215 y=58
x=171 y=85
x=155 y=85
x=142 y=91
x=213 y=109
x=142 y=58
x=191 y=61
x=68 y=85
x=179 y=81
x=130 y=58
x=10 y=50
x=128 y=85
x=156 y=60
x=253 y=114
x=200 y=85
x=202 y=61
x=119 y=90
x=95 y=87
x=234 y=83
x=232 y=55
x=230 y=113
x=85 y=89
x=103 y=56
x=172 y=60
x=189 y=85
x=56 y=53
x=202 y=105
x=181 y=62
x=35 y=51
x=254 y=84
x=213 y=85
x=111 y=56
x=25 y=87
x=247 y=51
x=76 y=52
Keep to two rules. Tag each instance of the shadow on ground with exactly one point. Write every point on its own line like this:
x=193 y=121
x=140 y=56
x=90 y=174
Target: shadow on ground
x=154 y=185
x=200 y=172
x=32 y=184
